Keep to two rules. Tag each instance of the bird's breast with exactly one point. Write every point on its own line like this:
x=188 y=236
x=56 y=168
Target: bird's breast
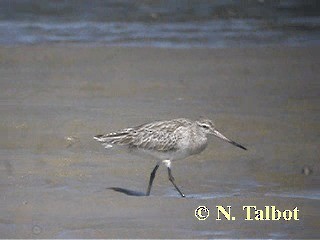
x=193 y=144
x=198 y=147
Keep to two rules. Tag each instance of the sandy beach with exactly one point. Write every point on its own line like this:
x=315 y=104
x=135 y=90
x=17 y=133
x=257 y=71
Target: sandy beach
x=55 y=178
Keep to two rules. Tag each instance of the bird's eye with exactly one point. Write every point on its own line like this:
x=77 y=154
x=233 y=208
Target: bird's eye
x=205 y=126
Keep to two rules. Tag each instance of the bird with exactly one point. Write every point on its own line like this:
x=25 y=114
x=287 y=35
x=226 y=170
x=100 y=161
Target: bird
x=166 y=141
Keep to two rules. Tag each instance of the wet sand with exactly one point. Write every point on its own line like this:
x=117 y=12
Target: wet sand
x=55 y=177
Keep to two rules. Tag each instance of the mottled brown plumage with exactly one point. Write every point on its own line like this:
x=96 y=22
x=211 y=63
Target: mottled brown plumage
x=166 y=140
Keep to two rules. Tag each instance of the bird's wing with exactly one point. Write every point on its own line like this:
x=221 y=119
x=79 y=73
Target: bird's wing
x=154 y=140
x=159 y=136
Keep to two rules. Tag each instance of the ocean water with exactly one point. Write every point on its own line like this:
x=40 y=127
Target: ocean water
x=176 y=24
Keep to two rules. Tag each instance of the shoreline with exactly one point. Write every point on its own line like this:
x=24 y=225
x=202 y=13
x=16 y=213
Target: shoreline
x=54 y=176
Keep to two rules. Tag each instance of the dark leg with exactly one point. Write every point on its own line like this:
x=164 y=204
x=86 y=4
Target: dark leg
x=152 y=175
x=171 y=178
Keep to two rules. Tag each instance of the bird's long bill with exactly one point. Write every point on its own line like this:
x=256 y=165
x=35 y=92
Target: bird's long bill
x=219 y=135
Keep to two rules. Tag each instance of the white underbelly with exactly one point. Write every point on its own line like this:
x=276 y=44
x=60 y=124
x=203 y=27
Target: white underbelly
x=174 y=155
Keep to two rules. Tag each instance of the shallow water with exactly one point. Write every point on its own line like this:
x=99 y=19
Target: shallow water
x=173 y=24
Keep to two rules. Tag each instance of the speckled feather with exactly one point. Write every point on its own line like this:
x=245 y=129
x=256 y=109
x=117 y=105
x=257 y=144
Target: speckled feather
x=166 y=141
x=160 y=135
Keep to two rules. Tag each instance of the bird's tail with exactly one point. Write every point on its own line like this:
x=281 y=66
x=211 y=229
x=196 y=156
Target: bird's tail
x=105 y=140
x=113 y=138
x=101 y=138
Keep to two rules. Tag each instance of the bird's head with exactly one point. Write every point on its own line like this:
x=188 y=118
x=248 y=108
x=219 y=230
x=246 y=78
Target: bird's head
x=207 y=127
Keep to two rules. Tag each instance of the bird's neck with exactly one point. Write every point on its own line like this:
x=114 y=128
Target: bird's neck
x=198 y=140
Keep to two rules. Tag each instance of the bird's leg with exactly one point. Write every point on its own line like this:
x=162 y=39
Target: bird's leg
x=171 y=178
x=152 y=175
